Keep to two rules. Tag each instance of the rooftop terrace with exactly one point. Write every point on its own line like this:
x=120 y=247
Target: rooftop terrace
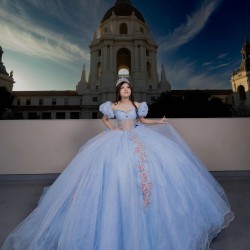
x=19 y=197
x=32 y=151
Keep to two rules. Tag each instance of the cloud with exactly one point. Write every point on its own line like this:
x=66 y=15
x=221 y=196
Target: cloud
x=206 y=63
x=219 y=66
x=222 y=60
x=55 y=30
x=20 y=35
x=222 y=55
x=187 y=31
x=189 y=78
x=75 y=16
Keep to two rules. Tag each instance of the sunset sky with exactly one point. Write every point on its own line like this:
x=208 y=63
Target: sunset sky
x=47 y=42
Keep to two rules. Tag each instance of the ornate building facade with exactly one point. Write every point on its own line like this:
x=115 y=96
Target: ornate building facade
x=122 y=45
x=240 y=81
x=6 y=79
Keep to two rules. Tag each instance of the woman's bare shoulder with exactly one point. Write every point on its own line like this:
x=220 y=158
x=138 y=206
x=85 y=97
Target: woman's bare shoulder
x=137 y=104
x=113 y=104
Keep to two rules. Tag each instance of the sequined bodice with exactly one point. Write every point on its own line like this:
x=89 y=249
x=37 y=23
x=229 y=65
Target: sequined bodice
x=126 y=120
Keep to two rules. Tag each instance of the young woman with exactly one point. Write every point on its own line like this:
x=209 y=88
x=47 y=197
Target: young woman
x=132 y=187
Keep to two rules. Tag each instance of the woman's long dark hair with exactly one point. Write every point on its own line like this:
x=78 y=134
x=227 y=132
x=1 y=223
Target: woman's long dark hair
x=118 y=97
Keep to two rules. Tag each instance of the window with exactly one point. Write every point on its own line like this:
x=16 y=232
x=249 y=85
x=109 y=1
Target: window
x=33 y=115
x=123 y=29
x=53 y=101
x=147 y=52
x=74 y=115
x=94 y=115
x=28 y=101
x=46 y=115
x=94 y=99
x=60 y=115
x=40 y=101
x=150 y=87
x=99 y=52
x=149 y=70
x=96 y=87
x=141 y=30
x=18 y=102
x=98 y=70
x=66 y=101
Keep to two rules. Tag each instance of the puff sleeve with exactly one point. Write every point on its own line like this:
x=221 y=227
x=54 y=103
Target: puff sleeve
x=106 y=109
x=143 y=109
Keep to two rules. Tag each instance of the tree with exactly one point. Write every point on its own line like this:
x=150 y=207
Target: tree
x=6 y=99
x=190 y=104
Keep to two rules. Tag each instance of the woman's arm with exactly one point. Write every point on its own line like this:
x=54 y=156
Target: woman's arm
x=153 y=121
x=105 y=120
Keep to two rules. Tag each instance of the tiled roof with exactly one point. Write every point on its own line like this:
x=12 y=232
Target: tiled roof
x=45 y=93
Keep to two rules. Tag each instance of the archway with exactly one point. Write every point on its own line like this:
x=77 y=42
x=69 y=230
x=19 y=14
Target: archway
x=123 y=60
x=242 y=93
x=123 y=72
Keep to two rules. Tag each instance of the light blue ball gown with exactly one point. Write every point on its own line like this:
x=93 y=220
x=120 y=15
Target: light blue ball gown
x=138 y=188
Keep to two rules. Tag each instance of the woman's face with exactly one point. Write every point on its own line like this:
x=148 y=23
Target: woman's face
x=125 y=90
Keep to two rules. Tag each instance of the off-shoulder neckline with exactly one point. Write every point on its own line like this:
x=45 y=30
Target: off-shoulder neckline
x=125 y=111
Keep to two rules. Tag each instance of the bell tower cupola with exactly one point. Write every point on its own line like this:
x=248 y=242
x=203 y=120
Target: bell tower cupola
x=123 y=45
x=240 y=81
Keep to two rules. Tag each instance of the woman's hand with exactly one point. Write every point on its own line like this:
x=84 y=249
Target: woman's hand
x=163 y=120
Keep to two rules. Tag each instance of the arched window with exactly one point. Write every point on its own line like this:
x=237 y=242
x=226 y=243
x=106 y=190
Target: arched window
x=98 y=70
x=123 y=60
x=123 y=29
x=149 y=70
x=242 y=93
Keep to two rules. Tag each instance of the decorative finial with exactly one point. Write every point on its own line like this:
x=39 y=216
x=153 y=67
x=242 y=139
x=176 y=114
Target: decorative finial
x=83 y=78
x=163 y=74
x=246 y=40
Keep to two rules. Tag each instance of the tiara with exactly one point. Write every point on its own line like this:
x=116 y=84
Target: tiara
x=122 y=79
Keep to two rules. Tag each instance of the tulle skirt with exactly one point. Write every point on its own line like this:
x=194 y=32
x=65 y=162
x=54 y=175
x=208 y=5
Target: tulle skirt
x=142 y=189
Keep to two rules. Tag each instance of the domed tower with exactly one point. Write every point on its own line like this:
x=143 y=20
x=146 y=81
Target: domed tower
x=123 y=46
x=240 y=81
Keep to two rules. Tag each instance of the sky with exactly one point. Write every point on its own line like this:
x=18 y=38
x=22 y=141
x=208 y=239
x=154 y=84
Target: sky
x=46 y=43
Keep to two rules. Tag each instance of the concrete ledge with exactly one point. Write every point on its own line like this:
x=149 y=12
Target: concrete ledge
x=28 y=177
x=47 y=146
x=31 y=178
